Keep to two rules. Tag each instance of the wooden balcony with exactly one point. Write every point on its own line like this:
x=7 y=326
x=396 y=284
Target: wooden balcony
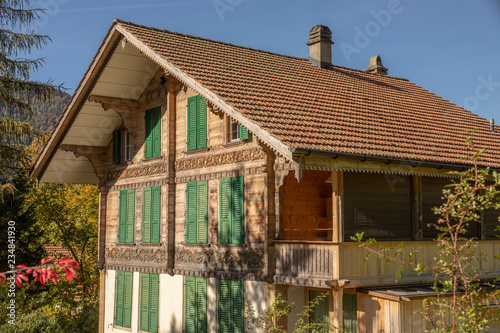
x=321 y=264
x=305 y=263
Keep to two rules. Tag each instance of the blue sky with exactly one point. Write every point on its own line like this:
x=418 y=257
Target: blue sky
x=449 y=47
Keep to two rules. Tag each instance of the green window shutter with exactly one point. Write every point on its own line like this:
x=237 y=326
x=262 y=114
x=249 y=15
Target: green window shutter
x=191 y=212
x=201 y=125
x=148 y=142
x=129 y=238
x=156 y=131
x=144 y=303
x=122 y=217
x=237 y=305
x=191 y=123
x=225 y=211
x=237 y=212
x=146 y=215
x=189 y=304
x=127 y=299
x=321 y=312
x=155 y=214
x=154 y=293
x=202 y=212
x=224 y=309
x=350 y=312
x=116 y=146
x=201 y=305
x=243 y=133
x=120 y=277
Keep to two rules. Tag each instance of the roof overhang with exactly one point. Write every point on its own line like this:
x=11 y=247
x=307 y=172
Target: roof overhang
x=409 y=293
x=122 y=68
x=119 y=70
x=327 y=160
x=215 y=101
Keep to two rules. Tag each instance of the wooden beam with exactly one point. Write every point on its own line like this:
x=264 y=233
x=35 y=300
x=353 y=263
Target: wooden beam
x=126 y=108
x=171 y=187
x=94 y=154
x=115 y=103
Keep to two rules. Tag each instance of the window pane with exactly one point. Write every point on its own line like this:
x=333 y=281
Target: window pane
x=492 y=223
x=320 y=313
x=128 y=146
x=235 y=135
x=432 y=196
x=378 y=205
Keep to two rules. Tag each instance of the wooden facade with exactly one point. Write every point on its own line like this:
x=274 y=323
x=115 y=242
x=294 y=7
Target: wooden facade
x=298 y=211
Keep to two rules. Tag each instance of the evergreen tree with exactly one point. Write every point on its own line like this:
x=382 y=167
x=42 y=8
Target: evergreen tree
x=17 y=89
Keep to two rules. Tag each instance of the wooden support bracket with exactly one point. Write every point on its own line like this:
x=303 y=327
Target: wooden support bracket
x=94 y=154
x=126 y=108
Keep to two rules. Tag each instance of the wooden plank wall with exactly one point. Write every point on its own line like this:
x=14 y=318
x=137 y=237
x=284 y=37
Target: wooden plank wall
x=378 y=315
x=307 y=206
x=154 y=95
x=255 y=184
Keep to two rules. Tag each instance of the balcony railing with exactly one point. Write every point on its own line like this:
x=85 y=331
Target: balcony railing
x=304 y=260
x=299 y=261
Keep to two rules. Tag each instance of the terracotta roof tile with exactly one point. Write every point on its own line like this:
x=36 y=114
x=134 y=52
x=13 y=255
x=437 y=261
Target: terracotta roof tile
x=341 y=110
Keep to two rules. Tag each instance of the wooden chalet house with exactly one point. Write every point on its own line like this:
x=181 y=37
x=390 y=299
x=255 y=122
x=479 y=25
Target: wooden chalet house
x=228 y=175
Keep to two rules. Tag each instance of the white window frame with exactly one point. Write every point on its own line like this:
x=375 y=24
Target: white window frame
x=234 y=127
x=128 y=146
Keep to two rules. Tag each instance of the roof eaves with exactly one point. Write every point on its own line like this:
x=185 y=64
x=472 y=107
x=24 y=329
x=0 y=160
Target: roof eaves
x=211 y=97
x=73 y=106
x=382 y=159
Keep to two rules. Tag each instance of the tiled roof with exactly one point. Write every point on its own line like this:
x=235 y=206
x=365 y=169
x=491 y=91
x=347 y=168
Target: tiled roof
x=341 y=110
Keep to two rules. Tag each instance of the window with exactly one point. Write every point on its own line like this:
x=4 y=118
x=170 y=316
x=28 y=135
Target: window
x=195 y=305
x=149 y=302
x=237 y=132
x=128 y=146
x=197 y=212
x=350 y=312
x=432 y=196
x=151 y=206
x=321 y=312
x=116 y=146
x=153 y=133
x=232 y=230
x=126 y=216
x=123 y=304
x=378 y=205
x=196 y=123
x=491 y=223
x=231 y=304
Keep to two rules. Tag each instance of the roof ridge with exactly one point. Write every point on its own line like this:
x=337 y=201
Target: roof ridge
x=378 y=75
x=117 y=20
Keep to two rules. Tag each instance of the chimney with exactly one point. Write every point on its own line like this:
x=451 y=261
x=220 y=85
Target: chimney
x=376 y=66
x=320 y=47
